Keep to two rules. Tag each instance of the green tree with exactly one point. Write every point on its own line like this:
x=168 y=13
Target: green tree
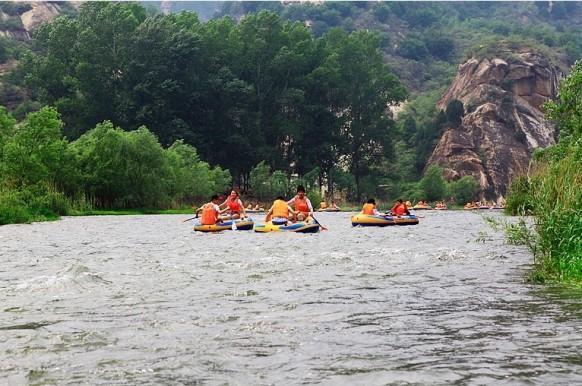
x=463 y=189
x=36 y=152
x=259 y=181
x=566 y=111
x=7 y=123
x=433 y=184
x=192 y=179
x=123 y=169
x=365 y=134
x=412 y=48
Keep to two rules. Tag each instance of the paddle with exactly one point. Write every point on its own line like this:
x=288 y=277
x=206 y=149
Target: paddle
x=317 y=222
x=188 y=219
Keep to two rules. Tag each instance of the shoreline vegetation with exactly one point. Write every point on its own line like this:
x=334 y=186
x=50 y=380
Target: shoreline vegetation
x=552 y=193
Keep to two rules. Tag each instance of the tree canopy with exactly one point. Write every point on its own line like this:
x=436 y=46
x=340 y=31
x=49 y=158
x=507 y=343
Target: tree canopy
x=264 y=89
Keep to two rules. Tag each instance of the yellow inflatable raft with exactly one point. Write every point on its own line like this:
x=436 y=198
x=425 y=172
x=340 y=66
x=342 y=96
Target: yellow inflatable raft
x=240 y=225
x=308 y=226
x=366 y=220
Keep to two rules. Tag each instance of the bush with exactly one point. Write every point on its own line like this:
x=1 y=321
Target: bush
x=35 y=203
x=463 y=189
x=558 y=199
x=439 y=46
x=433 y=184
x=13 y=210
x=259 y=181
x=382 y=11
x=519 y=198
x=412 y=48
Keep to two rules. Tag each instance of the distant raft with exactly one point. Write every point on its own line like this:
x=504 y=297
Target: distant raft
x=297 y=227
x=421 y=207
x=367 y=220
x=240 y=225
x=329 y=210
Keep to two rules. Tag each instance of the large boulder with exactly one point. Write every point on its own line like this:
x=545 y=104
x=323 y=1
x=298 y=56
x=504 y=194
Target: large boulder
x=503 y=123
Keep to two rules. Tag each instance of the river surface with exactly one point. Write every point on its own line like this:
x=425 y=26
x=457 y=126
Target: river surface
x=144 y=300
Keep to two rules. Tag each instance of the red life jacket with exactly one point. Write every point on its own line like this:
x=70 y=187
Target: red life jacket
x=233 y=205
x=400 y=210
x=301 y=205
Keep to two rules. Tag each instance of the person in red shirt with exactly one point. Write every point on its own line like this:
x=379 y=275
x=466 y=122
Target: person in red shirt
x=301 y=204
x=400 y=209
x=233 y=205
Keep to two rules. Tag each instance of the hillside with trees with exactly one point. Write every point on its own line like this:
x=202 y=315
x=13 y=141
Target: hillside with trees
x=287 y=91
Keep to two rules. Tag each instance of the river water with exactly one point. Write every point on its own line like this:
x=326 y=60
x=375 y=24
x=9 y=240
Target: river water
x=144 y=300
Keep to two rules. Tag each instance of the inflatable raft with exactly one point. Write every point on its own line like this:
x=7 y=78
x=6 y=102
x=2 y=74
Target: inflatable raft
x=382 y=221
x=422 y=207
x=329 y=210
x=298 y=227
x=240 y=225
x=255 y=210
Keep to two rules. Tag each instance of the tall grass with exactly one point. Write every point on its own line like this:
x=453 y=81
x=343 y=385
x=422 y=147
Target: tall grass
x=554 y=195
x=36 y=203
x=558 y=210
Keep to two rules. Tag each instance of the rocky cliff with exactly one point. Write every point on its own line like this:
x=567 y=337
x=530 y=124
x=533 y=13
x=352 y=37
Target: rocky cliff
x=19 y=19
x=503 y=123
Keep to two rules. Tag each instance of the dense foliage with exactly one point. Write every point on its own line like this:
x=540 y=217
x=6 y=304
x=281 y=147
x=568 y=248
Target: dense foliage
x=423 y=42
x=43 y=175
x=261 y=90
x=553 y=191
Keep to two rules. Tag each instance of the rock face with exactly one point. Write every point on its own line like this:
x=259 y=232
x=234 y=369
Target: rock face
x=503 y=123
x=22 y=25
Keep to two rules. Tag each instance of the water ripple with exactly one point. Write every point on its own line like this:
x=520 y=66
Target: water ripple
x=144 y=300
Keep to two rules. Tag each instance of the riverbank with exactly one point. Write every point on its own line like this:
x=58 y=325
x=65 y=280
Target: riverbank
x=552 y=191
x=128 y=212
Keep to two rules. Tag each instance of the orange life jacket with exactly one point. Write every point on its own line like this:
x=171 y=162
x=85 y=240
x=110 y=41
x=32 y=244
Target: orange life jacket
x=301 y=205
x=233 y=205
x=280 y=209
x=400 y=209
x=368 y=209
x=209 y=214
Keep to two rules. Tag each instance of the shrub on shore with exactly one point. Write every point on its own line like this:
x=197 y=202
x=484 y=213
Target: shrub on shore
x=553 y=191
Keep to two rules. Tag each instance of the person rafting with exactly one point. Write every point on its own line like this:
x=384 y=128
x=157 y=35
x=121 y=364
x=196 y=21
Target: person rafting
x=210 y=212
x=233 y=205
x=279 y=212
x=334 y=206
x=301 y=204
x=369 y=208
x=400 y=209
